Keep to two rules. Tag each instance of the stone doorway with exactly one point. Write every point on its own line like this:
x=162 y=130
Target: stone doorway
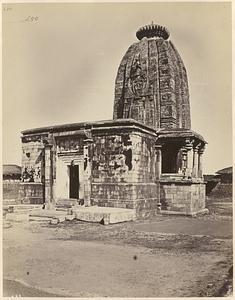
x=69 y=177
x=74 y=181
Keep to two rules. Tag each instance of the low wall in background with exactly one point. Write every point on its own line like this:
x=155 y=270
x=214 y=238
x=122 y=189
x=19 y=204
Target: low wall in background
x=11 y=190
x=222 y=190
x=17 y=192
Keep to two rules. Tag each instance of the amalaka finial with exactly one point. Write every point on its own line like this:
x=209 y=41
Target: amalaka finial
x=152 y=30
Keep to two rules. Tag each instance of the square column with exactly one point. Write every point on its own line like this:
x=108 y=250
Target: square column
x=48 y=177
x=184 y=160
x=189 y=148
x=200 y=162
x=87 y=171
x=158 y=152
x=195 y=162
x=158 y=172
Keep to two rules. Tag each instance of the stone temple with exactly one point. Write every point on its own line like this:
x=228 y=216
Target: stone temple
x=147 y=158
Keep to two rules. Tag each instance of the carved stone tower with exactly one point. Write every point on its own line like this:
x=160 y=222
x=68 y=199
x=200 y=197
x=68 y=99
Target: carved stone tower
x=151 y=84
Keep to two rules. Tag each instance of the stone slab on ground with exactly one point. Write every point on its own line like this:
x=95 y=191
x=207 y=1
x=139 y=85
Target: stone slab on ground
x=40 y=219
x=181 y=213
x=17 y=217
x=54 y=221
x=47 y=213
x=70 y=217
x=44 y=214
x=105 y=215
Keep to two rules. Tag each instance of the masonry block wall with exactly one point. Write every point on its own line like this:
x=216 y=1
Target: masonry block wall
x=186 y=197
x=32 y=161
x=31 y=189
x=123 y=171
x=10 y=190
x=31 y=193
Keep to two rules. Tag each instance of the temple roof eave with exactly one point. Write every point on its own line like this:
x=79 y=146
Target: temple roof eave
x=178 y=133
x=89 y=125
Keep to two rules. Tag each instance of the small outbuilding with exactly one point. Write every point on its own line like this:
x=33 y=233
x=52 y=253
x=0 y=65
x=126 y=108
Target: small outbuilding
x=11 y=172
x=226 y=175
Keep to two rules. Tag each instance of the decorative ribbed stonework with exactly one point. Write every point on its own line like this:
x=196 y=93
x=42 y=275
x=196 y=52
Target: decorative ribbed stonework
x=151 y=85
x=152 y=30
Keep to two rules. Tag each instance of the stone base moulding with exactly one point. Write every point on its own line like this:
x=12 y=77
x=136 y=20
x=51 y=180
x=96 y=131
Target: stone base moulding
x=179 y=213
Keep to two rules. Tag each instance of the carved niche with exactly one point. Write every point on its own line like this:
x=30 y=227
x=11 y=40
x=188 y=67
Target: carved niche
x=138 y=77
x=168 y=111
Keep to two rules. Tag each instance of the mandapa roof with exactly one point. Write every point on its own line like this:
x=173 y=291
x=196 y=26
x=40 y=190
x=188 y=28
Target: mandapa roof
x=87 y=126
x=179 y=132
x=11 y=169
x=228 y=170
x=211 y=177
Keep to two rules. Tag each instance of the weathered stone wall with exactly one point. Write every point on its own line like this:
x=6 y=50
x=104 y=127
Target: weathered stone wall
x=32 y=160
x=31 y=189
x=198 y=196
x=31 y=193
x=182 y=196
x=11 y=190
x=123 y=171
x=22 y=193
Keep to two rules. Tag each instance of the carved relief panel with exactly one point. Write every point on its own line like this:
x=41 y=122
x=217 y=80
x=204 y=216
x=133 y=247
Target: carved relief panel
x=68 y=144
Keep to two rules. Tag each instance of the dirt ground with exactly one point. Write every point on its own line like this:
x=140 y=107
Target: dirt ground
x=160 y=257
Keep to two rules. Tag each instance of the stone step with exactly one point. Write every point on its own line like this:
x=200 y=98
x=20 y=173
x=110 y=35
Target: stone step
x=67 y=202
x=21 y=207
x=49 y=213
x=40 y=215
x=39 y=219
x=11 y=201
x=104 y=215
x=17 y=217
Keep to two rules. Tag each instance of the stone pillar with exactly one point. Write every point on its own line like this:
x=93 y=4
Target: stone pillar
x=158 y=150
x=200 y=162
x=195 y=162
x=87 y=171
x=48 y=177
x=189 y=147
x=179 y=161
x=184 y=160
x=158 y=155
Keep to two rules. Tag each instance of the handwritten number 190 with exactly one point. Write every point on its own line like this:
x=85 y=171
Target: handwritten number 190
x=31 y=19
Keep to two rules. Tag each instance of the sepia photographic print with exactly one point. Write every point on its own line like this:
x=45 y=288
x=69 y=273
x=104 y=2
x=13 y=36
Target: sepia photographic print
x=117 y=149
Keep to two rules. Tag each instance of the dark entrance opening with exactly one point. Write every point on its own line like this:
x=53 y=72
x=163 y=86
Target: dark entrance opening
x=74 y=181
x=171 y=158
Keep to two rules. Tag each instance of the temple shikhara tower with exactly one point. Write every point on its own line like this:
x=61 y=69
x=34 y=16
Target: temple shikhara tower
x=151 y=85
x=147 y=158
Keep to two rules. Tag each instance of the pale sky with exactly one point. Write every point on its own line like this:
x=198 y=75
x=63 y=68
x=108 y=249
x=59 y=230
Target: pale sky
x=60 y=66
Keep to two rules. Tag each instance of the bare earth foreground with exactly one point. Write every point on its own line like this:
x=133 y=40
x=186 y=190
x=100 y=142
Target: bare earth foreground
x=161 y=257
